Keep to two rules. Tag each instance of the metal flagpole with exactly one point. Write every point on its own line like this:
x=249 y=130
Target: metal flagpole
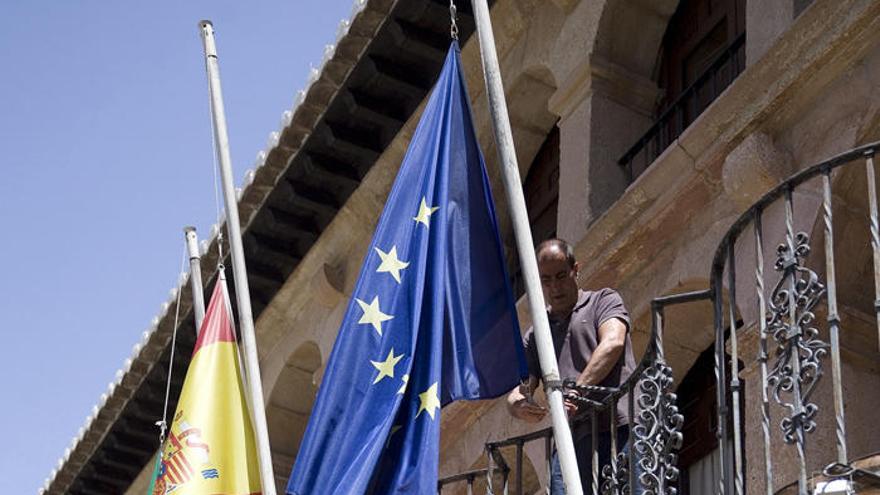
x=239 y=271
x=525 y=247
x=195 y=275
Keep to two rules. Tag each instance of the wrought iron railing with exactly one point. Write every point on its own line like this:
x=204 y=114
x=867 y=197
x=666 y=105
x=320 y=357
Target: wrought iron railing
x=685 y=109
x=786 y=321
x=653 y=420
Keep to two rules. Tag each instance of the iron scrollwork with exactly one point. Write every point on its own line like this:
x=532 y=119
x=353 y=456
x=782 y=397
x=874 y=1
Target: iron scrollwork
x=616 y=481
x=797 y=366
x=658 y=431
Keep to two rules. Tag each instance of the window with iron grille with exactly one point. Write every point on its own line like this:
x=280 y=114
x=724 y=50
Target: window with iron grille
x=702 y=52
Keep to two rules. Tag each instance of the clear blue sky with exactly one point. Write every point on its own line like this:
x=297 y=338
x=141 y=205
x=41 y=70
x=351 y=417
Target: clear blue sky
x=105 y=154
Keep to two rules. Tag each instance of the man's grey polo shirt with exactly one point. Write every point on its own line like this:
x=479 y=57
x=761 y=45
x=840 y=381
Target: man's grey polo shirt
x=575 y=338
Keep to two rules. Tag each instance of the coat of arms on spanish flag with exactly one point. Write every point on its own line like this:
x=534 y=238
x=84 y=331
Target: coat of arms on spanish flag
x=210 y=449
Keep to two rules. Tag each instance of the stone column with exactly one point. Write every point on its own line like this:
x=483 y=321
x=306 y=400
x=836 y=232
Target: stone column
x=602 y=109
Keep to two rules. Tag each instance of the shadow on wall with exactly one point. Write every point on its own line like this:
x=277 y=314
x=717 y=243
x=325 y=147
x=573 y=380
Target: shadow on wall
x=530 y=479
x=290 y=404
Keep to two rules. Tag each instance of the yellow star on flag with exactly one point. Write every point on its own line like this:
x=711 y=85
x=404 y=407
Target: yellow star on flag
x=425 y=213
x=391 y=263
x=386 y=368
x=372 y=314
x=402 y=388
x=429 y=401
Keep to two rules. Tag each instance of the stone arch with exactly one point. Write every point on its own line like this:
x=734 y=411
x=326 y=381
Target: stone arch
x=289 y=406
x=532 y=124
x=605 y=102
x=630 y=33
x=530 y=116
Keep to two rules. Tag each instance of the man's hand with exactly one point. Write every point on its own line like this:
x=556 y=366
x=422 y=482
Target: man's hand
x=521 y=405
x=570 y=401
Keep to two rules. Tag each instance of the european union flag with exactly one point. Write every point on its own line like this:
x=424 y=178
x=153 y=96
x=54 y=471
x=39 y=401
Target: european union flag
x=431 y=320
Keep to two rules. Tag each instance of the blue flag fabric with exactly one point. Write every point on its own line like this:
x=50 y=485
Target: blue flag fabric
x=431 y=320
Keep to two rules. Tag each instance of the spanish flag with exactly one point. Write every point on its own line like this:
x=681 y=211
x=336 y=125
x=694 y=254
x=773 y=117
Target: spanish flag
x=210 y=449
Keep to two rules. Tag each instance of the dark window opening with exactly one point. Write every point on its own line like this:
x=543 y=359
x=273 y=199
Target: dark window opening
x=541 y=191
x=697 y=399
x=702 y=52
x=707 y=51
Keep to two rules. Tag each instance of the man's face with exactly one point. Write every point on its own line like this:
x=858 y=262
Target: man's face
x=558 y=280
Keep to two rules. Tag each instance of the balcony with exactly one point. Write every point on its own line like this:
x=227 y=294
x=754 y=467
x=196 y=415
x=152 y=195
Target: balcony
x=794 y=289
x=682 y=112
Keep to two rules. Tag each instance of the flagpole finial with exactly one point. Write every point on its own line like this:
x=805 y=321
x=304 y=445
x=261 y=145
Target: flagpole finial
x=206 y=30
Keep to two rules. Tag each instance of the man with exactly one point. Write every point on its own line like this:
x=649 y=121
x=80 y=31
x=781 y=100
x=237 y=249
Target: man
x=590 y=332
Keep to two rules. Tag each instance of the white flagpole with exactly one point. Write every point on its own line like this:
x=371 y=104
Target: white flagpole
x=525 y=247
x=195 y=275
x=239 y=271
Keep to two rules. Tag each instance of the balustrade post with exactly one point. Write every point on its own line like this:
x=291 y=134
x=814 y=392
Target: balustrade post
x=594 y=432
x=875 y=235
x=734 y=370
x=833 y=318
x=762 y=352
x=720 y=381
x=519 y=465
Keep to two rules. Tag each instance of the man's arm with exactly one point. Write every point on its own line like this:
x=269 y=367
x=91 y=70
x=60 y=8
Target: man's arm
x=521 y=406
x=612 y=339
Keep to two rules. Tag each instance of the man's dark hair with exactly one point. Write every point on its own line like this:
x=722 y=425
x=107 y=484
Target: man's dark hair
x=560 y=245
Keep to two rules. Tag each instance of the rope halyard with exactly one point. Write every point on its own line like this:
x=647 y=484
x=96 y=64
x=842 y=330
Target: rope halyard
x=163 y=423
x=215 y=166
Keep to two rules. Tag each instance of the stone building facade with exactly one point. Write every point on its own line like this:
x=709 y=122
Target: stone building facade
x=644 y=130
